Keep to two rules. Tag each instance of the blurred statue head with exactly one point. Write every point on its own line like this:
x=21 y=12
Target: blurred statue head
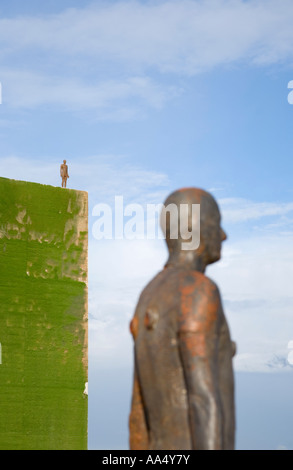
x=191 y=222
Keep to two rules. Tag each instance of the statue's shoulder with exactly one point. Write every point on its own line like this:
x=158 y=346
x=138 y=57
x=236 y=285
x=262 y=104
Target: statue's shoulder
x=146 y=296
x=200 y=302
x=195 y=282
x=149 y=290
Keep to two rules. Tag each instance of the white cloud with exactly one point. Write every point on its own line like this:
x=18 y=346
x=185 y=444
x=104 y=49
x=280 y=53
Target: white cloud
x=123 y=44
x=115 y=99
x=118 y=271
x=242 y=210
x=254 y=277
x=183 y=36
x=262 y=362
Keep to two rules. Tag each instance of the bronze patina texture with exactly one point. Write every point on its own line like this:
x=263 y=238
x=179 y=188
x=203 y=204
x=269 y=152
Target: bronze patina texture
x=64 y=174
x=183 y=388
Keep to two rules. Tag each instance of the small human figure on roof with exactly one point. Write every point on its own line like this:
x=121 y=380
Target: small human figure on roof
x=64 y=173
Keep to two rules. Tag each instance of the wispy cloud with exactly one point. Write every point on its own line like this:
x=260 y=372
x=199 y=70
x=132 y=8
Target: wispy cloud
x=254 y=277
x=242 y=210
x=115 y=99
x=118 y=271
x=183 y=36
x=262 y=362
x=122 y=44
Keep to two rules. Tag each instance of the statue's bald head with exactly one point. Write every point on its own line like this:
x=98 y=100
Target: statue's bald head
x=210 y=235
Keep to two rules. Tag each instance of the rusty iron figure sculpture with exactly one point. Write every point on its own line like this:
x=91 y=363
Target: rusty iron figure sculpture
x=64 y=173
x=183 y=388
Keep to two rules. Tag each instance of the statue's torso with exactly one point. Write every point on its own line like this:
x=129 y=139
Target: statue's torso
x=159 y=366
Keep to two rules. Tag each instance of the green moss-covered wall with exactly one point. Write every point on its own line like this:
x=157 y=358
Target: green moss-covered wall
x=43 y=316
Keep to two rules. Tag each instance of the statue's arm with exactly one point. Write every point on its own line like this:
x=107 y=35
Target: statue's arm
x=138 y=433
x=227 y=350
x=198 y=340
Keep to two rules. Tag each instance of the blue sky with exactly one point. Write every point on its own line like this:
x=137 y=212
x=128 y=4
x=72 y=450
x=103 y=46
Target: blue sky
x=141 y=98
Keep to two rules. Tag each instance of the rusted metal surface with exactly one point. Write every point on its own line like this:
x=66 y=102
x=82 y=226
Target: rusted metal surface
x=64 y=174
x=183 y=387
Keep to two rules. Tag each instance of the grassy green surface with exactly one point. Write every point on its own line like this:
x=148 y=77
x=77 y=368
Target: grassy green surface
x=43 y=314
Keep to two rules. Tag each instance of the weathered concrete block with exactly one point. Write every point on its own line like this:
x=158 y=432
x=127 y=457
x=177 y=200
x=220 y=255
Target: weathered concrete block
x=43 y=316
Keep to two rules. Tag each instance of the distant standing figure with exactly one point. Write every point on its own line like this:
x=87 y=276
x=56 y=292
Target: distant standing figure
x=64 y=173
